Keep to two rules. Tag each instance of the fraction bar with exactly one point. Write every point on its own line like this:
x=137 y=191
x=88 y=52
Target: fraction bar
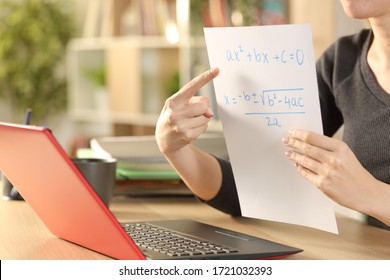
x=273 y=113
x=282 y=89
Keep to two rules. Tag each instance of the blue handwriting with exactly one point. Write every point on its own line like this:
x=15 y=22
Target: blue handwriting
x=271 y=103
x=282 y=56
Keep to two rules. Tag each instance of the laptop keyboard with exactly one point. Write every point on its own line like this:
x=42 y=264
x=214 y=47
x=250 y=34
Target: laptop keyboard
x=172 y=243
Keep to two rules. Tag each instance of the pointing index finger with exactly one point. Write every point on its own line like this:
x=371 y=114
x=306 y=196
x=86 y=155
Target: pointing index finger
x=192 y=87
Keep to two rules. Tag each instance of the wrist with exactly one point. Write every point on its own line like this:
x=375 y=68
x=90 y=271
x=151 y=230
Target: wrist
x=378 y=202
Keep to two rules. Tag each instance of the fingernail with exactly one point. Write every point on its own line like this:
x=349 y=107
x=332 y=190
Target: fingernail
x=214 y=70
x=209 y=113
x=288 y=154
x=285 y=140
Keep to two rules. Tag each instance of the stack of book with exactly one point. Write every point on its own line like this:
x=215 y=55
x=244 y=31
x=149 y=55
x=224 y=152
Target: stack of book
x=142 y=170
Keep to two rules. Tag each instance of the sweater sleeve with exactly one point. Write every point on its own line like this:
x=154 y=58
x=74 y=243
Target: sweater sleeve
x=226 y=199
x=332 y=118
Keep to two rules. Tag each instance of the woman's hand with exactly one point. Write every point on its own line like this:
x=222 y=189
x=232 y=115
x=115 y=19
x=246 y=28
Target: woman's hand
x=330 y=164
x=184 y=116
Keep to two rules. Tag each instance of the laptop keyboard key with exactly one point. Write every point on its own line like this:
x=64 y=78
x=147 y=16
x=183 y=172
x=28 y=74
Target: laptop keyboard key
x=172 y=243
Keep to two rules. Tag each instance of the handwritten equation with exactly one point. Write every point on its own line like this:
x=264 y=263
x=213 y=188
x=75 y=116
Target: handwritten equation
x=270 y=103
x=254 y=55
x=267 y=85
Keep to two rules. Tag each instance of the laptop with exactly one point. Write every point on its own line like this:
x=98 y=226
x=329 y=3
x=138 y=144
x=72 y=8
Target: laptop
x=42 y=172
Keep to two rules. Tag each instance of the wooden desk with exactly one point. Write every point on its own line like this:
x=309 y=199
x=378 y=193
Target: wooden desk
x=24 y=236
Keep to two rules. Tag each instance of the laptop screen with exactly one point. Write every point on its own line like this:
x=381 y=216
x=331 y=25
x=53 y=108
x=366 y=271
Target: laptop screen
x=37 y=166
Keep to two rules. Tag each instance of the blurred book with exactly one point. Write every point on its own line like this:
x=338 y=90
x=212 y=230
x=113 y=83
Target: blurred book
x=152 y=188
x=142 y=168
x=142 y=152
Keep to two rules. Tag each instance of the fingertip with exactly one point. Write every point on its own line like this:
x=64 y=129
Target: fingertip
x=214 y=71
x=192 y=87
x=209 y=113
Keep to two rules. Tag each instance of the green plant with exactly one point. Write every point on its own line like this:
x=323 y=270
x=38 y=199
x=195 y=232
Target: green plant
x=33 y=38
x=172 y=85
x=97 y=76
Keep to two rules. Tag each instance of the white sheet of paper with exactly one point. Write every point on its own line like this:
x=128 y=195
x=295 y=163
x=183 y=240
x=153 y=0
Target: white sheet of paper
x=266 y=86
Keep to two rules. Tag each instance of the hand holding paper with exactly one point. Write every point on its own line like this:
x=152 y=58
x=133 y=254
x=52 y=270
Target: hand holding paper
x=267 y=85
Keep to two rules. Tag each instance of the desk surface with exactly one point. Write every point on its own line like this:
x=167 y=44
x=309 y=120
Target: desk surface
x=24 y=236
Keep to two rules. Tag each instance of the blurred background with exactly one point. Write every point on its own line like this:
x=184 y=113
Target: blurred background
x=94 y=68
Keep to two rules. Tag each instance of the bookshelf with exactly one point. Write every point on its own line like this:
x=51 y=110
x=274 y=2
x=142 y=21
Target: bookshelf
x=144 y=62
x=144 y=50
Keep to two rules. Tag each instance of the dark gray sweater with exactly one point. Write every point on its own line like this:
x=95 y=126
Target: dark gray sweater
x=349 y=95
